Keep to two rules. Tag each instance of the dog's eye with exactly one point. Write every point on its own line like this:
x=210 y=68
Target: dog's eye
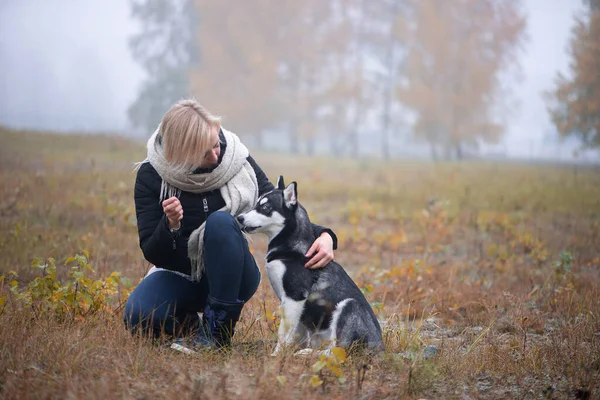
x=265 y=207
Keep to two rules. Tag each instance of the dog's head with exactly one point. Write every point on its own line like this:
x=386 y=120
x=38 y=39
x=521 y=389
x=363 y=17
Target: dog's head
x=272 y=210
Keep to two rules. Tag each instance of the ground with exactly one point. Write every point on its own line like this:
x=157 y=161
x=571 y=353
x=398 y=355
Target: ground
x=484 y=277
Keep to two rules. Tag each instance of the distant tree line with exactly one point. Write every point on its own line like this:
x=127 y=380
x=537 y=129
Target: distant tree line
x=329 y=71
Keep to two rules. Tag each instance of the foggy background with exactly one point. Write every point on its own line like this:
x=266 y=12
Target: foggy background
x=66 y=66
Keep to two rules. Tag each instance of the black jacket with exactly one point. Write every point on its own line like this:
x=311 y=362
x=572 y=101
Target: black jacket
x=170 y=250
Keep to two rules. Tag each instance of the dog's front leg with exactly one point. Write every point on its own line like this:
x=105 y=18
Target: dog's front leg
x=290 y=327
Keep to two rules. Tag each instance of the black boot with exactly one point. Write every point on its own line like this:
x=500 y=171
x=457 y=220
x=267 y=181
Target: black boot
x=218 y=323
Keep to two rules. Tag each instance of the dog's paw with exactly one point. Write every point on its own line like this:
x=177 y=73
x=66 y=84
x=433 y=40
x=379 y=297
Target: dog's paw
x=182 y=348
x=328 y=352
x=277 y=350
x=304 y=352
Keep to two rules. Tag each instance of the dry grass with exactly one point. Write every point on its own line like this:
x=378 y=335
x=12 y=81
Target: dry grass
x=463 y=257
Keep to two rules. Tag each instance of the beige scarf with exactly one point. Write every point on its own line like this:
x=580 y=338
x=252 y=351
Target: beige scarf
x=234 y=177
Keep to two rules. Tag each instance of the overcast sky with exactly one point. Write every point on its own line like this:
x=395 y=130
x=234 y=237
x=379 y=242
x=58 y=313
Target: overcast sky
x=65 y=65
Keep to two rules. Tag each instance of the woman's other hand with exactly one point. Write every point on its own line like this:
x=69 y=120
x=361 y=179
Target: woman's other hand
x=174 y=212
x=321 y=252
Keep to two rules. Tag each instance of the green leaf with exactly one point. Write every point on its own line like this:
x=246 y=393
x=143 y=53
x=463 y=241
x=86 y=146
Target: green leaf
x=77 y=275
x=319 y=365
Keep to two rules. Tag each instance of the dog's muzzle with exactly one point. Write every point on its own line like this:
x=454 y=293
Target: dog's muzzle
x=244 y=227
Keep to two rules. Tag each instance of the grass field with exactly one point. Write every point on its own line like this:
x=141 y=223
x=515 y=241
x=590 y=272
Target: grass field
x=485 y=277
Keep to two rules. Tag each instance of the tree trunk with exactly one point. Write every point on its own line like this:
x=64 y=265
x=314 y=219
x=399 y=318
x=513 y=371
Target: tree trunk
x=448 y=150
x=335 y=146
x=386 y=117
x=459 y=152
x=388 y=88
x=259 y=139
x=359 y=99
x=310 y=146
x=385 y=144
x=294 y=141
x=434 y=154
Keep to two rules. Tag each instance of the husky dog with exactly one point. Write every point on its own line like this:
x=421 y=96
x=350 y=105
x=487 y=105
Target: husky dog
x=320 y=306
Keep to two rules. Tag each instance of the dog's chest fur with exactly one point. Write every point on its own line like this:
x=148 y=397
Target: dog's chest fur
x=292 y=282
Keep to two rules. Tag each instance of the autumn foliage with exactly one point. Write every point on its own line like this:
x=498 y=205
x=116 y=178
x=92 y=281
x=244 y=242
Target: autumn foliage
x=575 y=103
x=456 y=50
x=324 y=73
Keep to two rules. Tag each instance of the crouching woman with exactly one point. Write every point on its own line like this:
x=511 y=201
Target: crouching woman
x=197 y=177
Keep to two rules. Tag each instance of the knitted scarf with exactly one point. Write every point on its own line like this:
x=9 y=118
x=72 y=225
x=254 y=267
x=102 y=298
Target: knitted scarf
x=234 y=177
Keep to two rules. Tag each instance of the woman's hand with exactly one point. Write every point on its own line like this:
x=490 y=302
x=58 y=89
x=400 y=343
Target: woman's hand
x=321 y=252
x=174 y=212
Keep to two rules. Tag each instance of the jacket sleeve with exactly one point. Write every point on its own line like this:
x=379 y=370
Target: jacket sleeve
x=156 y=240
x=319 y=230
x=264 y=186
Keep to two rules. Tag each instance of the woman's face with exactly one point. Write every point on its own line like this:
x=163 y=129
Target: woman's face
x=212 y=156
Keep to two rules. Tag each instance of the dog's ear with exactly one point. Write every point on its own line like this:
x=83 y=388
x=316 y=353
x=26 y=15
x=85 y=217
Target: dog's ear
x=290 y=195
x=280 y=184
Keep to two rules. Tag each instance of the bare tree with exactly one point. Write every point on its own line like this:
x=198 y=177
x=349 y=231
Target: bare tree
x=166 y=49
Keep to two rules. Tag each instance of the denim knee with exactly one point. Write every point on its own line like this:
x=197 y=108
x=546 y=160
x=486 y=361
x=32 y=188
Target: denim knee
x=143 y=315
x=220 y=226
x=153 y=321
x=136 y=318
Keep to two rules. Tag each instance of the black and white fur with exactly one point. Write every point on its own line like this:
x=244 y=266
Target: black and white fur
x=320 y=306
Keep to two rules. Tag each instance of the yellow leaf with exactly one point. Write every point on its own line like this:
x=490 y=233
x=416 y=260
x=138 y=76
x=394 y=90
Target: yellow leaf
x=315 y=381
x=70 y=259
x=86 y=253
x=270 y=315
x=337 y=371
x=339 y=353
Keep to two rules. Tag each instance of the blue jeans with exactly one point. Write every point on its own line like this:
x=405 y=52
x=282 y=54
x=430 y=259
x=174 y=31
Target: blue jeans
x=167 y=303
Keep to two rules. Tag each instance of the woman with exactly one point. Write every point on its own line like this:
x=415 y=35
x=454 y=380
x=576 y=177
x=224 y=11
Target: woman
x=197 y=177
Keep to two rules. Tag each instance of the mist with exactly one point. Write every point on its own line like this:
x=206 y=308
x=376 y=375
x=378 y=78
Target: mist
x=67 y=67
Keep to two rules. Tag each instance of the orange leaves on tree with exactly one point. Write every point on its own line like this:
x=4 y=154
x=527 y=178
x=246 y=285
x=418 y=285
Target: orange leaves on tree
x=575 y=103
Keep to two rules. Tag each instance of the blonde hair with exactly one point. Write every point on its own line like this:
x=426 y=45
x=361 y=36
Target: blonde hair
x=185 y=132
